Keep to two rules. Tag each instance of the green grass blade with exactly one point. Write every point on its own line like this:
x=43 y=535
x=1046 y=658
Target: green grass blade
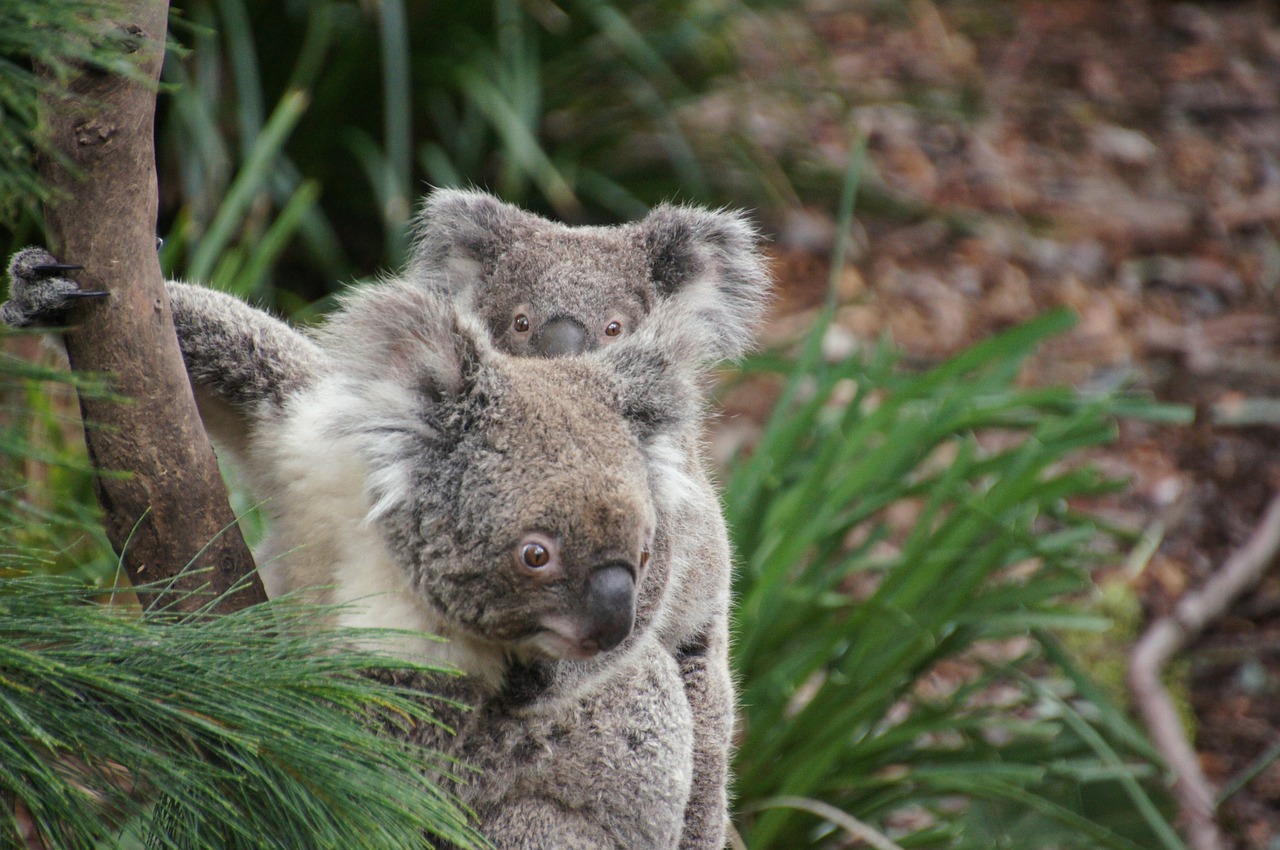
x=251 y=179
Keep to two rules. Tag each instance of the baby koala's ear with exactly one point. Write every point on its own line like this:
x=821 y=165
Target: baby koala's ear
x=709 y=266
x=459 y=234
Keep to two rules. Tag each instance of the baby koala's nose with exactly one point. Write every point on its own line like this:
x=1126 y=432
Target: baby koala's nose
x=560 y=336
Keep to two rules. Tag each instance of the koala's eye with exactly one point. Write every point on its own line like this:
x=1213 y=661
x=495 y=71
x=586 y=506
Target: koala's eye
x=613 y=329
x=644 y=556
x=534 y=555
x=521 y=323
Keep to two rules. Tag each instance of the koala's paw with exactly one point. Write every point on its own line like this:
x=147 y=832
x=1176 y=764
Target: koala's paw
x=39 y=293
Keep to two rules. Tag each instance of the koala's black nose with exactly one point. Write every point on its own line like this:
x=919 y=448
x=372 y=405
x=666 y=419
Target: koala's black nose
x=611 y=605
x=560 y=336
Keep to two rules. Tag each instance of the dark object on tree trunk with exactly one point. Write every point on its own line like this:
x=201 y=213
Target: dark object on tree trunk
x=170 y=519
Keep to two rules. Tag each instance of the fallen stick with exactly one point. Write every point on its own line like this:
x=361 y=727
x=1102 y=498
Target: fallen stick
x=1169 y=635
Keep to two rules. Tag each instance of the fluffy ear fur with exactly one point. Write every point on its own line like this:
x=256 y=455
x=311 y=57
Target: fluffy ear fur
x=406 y=334
x=657 y=391
x=662 y=369
x=709 y=266
x=461 y=233
x=406 y=360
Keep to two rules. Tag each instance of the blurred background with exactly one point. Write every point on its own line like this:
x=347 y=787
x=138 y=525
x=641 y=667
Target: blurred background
x=1020 y=389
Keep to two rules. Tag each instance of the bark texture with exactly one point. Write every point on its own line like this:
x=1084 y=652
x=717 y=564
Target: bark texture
x=170 y=518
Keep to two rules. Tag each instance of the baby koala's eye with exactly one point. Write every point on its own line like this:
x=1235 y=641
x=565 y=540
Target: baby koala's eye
x=644 y=556
x=534 y=555
x=521 y=323
x=613 y=329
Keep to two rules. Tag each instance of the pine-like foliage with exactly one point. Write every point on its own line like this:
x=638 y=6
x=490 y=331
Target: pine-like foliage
x=250 y=730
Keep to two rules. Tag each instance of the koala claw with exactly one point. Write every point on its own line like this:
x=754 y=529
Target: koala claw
x=47 y=269
x=39 y=294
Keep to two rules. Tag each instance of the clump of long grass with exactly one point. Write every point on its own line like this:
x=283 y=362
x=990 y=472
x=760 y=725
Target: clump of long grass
x=909 y=545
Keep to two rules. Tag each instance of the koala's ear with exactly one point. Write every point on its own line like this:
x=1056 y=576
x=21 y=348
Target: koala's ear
x=657 y=390
x=408 y=335
x=460 y=233
x=710 y=266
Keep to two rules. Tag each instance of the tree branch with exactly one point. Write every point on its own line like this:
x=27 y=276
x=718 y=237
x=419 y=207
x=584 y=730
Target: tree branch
x=170 y=516
x=1169 y=635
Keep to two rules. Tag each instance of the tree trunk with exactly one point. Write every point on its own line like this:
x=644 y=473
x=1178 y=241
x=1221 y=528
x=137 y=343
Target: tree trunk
x=169 y=519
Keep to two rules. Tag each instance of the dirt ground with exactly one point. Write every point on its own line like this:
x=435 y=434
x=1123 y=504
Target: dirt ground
x=1122 y=158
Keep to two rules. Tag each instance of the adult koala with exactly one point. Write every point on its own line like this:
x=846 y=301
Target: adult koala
x=511 y=507
x=545 y=289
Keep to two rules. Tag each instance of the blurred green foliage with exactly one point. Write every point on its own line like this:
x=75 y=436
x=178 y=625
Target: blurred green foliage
x=49 y=520
x=291 y=121
x=283 y=123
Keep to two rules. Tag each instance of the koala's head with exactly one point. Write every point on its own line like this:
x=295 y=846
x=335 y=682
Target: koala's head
x=548 y=290
x=520 y=496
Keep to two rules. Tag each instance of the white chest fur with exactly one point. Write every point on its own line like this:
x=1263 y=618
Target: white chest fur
x=323 y=542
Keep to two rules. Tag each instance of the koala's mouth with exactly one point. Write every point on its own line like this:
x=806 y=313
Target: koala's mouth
x=561 y=640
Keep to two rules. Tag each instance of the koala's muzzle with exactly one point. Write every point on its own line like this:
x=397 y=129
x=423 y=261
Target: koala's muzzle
x=559 y=337
x=611 y=605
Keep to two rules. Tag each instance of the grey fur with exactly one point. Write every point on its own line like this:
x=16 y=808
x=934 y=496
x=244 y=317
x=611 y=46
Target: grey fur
x=47 y=297
x=501 y=262
x=433 y=444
